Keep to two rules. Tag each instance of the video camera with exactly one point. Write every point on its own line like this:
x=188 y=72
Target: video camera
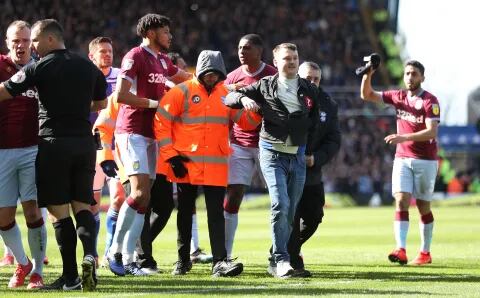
x=373 y=61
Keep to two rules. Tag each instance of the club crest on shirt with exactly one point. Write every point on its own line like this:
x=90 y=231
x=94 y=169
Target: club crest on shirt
x=419 y=104
x=323 y=116
x=435 y=109
x=196 y=99
x=308 y=102
x=127 y=64
x=19 y=77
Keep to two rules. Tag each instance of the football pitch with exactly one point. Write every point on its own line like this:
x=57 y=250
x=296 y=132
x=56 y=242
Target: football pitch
x=347 y=257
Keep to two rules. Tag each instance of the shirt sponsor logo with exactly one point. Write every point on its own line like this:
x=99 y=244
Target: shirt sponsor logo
x=30 y=94
x=19 y=77
x=407 y=116
x=435 y=109
x=127 y=64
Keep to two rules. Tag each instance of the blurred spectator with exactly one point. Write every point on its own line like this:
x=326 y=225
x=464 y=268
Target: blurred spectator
x=324 y=31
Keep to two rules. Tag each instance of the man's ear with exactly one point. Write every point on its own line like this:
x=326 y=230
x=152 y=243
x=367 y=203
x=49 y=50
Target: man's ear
x=150 y=34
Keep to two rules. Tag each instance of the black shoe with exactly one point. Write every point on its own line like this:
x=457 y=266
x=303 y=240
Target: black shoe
x=227 y=268
x=89 y=276
x=62 y=284
x=301 y=272
x=182 y=267
x=148 y=264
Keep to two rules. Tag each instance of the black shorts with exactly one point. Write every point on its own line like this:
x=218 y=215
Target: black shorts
x=65 y=168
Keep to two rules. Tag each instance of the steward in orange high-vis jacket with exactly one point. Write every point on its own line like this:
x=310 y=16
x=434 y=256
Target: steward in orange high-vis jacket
x=193 y=134
x=194 y=127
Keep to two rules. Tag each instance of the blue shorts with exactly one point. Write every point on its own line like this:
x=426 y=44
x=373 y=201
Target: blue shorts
x=17 y=175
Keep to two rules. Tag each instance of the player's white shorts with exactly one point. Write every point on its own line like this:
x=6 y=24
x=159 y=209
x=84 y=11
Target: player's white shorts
x=17 y=175
x=414 y=176
x=242 y=164
x=138 y=154
x=99 y=178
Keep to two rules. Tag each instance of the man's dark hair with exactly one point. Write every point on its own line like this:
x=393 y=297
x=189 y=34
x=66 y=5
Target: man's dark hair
x=50 y=26
x=92 y=46
x=416 y=64
x=151 y=21
x=254 y=39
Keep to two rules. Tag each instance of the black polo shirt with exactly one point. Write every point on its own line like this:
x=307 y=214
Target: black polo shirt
x=66 y=84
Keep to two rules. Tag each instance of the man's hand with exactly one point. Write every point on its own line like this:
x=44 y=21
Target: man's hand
x=395 y=139
x=309 y=160
x=109 y=167
x=236 y=86
x=177 y=165
x=249 y=104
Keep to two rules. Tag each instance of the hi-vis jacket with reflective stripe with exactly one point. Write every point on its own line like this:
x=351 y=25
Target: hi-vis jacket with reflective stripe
x=106 y=126
x=192 y=123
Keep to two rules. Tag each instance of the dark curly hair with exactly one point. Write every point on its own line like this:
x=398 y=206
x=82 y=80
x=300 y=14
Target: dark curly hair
x=151 y=21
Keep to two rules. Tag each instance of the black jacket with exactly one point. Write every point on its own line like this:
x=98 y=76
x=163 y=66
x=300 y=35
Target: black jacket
x=325 y=140
x=278 y=123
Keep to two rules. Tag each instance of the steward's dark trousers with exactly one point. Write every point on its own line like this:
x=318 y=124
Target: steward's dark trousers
x=308 y=216
x=214 y=196
x=157 y=215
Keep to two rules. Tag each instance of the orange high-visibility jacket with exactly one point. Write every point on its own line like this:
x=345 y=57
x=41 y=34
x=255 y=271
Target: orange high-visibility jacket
x=106 y=126
x=192 y=123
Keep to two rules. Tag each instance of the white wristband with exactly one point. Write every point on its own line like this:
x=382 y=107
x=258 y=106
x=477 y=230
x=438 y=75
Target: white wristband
x=152 y=104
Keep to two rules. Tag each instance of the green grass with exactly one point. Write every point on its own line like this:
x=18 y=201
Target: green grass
x=347 y=256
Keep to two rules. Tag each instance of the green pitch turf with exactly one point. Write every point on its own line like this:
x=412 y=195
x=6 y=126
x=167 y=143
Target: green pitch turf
x=347 y=256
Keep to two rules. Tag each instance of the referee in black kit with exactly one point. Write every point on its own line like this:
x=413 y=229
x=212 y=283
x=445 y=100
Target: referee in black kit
x=69 y=87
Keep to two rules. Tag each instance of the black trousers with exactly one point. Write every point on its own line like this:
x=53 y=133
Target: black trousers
x=157 y=215
x=308 y=216
x=214 y=196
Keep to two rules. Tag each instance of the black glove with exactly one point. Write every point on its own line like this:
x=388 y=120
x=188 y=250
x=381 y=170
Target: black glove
x=109 y=167
x=177 y=165
x=373 y=61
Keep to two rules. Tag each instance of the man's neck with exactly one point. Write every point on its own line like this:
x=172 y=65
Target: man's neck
x=417 y=91
x=106 y=70
x=253 y=67
x=20 y=62
x=151 y=45
x=283 y=76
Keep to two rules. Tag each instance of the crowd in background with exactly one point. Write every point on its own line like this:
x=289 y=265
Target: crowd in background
x=328 y=32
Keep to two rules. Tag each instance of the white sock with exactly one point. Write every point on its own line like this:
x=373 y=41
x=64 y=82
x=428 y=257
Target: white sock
x=132 y=236
x=231 y=224
x=126 y=216
x=13 y=239
x=426 y=233
x=194 y=243
x=44 y=214
x=37 y=240
x=7 y=251
x=401 y=230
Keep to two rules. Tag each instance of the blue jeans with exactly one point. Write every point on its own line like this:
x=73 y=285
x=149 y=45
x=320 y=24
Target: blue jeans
x=285 y=176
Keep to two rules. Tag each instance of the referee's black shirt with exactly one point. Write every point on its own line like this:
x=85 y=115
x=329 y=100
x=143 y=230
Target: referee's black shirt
x=66 y=84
